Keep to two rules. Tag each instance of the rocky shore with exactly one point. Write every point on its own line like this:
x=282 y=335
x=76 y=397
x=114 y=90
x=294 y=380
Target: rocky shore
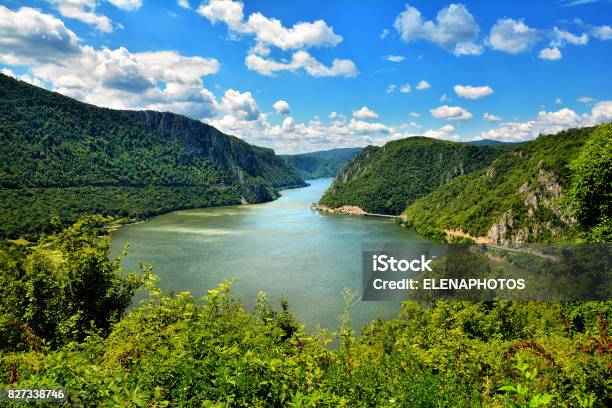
x=345 y=209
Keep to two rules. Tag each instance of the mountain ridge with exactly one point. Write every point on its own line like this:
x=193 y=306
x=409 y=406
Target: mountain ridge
x=384 y=180
x=323 y=163
x=528 y=194
x=51 y=142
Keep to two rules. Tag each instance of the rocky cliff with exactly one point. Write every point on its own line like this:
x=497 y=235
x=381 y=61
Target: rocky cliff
x=522 y=196
x=59 y=156
x=228 y=152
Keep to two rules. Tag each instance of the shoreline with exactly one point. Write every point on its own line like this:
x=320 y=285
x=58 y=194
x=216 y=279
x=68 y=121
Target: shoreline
x=115 y=224
x=349 y=210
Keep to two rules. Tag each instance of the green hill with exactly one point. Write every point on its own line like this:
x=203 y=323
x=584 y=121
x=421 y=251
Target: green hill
x=321 y=164
x=553 y=188
x=387 y=179
x=62 y=157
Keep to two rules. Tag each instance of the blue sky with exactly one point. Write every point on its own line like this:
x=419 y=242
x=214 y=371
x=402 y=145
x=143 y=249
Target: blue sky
x=311 y=75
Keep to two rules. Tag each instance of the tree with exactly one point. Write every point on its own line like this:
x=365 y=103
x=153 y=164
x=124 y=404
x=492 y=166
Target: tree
x=591 y=192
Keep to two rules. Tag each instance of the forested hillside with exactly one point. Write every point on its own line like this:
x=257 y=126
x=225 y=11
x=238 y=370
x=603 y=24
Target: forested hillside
x=321 y=164
x=387 y=179
x=62 y=157
x=556 y=187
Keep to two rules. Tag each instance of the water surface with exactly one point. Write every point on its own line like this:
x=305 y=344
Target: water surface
x=281 y=247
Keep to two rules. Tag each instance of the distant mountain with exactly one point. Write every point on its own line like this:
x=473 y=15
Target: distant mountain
x=557 y=187
x=62 y=157
x=491 y=142
x=321 y=164
x=387 y=179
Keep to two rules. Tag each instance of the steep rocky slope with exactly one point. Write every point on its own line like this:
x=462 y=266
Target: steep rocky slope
x=387 y=179
x=526 y=195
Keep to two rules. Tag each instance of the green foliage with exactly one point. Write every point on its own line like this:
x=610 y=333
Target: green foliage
x=51 y=142
x=174 y=350
x=522 y=391
x=387 y=179
x=321 y=164
x=591 y=192
x=61 y=326
x=538 y=171
x=53 y=296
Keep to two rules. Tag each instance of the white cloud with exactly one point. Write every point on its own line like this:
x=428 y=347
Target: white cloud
x=562 y=37
x=558 y=101
x=391 y=88
x=170 y=66
x=601 y=113
x=395 y=58
x=415 y=115
x=126 y=4
x=445 y=98
x=468 y=48
x=422 y=85
x=384 y=33
x=301 y=60
x=281 y=107
x=363 y=127
x=288 y=124
x=28 y=35
x=406 y=88
x=119 y=69
x=85 y=11
x=226 y=11
x=270 y=30
x=585 y=99
x=552 y=54
x=450 y=113
x=240 y=105
x=603 y=32
x=184 y=4
x=365 y=113
x=472 y=92
x=301 y=35
x=291 y=136
x=455 y=29
x=124 y=80
x=549 y=123
x=512 y=36
x=545 y=123
x=489 y=117
x=114 y=78
x=445 y=132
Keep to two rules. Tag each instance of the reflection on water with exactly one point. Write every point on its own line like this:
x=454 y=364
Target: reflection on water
x=281 y=247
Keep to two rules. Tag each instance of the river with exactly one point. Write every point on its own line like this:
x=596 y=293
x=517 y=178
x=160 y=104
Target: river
x=282 y=247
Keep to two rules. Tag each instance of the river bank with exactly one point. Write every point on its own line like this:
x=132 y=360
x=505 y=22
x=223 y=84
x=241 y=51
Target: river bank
x=348 y=210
